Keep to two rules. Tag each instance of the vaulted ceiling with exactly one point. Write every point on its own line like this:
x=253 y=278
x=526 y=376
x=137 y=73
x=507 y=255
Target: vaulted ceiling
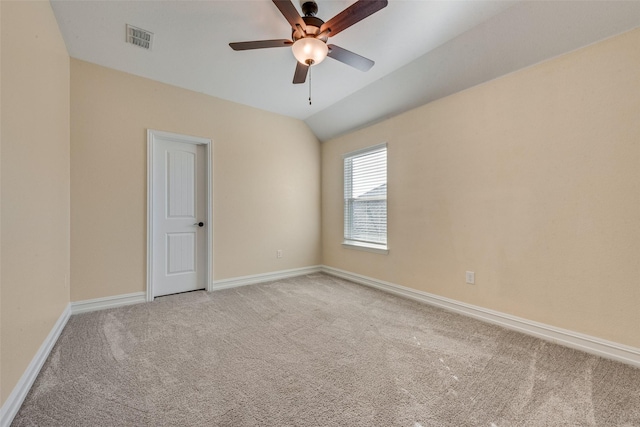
x=423 y=49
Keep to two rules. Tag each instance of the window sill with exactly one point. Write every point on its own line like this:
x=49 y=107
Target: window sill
x=368 y=247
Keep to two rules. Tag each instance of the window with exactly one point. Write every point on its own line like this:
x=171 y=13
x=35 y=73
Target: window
x=365 y=199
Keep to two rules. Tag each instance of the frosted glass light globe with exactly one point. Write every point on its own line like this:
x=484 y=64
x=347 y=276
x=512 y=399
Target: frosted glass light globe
x=310 y=49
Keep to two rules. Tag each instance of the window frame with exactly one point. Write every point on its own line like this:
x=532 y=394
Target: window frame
x=382 y=248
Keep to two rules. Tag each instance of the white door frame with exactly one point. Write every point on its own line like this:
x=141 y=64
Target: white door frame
x=151 y=142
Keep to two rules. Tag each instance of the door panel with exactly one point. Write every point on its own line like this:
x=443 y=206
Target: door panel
x=181 y=253
x=180 y=169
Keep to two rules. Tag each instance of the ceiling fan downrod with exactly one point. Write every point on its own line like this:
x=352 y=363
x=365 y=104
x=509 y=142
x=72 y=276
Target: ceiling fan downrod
x=310 y=8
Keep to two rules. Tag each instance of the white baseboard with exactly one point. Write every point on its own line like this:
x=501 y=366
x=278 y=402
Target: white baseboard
x=140 y=297
x=586 y=343
x=234 y=282
x=107 y=302
x=19 y=392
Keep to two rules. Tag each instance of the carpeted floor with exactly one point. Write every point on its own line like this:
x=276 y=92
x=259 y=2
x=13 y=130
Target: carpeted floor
x=316 y=351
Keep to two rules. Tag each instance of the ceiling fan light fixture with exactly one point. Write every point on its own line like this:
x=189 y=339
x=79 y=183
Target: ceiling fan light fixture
x=310 y=50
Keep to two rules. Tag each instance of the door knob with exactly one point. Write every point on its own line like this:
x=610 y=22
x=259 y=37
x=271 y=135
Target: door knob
x=199 y=224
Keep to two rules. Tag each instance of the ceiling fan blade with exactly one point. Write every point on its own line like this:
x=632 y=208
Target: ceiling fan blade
x=349 y=58
x=260 y=44
x=353 y=14
x=301 y=73
x=290 y=13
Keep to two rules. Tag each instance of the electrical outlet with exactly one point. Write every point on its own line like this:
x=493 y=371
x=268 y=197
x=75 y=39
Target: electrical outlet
x=471 y=277
x=279 y=253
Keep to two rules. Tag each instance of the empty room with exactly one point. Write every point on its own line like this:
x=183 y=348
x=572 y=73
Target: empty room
x=319 y=213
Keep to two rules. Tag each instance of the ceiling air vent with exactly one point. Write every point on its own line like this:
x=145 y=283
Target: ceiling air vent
x=139 y=37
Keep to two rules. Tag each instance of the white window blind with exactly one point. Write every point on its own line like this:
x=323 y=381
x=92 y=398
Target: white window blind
x=365 y=196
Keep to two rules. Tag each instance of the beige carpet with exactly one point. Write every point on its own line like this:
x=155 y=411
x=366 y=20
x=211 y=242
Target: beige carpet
x=317 y=351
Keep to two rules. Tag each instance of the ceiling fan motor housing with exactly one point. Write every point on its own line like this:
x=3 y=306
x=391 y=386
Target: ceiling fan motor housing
x=313 y=25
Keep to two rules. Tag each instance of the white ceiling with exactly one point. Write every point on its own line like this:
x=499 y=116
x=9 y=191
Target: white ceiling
x=423 y=49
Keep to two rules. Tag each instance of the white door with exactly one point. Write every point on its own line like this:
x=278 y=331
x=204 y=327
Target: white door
x=179 y=215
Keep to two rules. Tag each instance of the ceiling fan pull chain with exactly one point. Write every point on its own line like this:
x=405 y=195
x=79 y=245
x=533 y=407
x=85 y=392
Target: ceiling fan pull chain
x=310 y=85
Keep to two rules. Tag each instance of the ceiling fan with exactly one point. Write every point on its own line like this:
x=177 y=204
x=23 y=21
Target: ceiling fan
x=310 y=35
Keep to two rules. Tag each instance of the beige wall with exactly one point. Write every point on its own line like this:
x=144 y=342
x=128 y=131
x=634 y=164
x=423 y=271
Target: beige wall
x=266 y=173
x=35 y=183
x=532 y=181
